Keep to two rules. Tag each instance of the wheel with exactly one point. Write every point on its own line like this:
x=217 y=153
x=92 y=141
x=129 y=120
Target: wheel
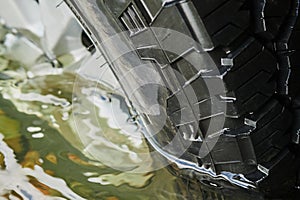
x=220 y=75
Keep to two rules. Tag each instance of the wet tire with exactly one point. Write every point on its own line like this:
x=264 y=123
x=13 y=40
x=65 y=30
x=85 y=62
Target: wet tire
x=261 y=39
x=255 y=46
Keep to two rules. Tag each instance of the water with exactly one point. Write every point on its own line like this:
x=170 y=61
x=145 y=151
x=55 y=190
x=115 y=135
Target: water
x=63 y=136
x=52 y=143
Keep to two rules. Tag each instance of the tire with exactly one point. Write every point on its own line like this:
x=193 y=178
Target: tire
x=254 y=46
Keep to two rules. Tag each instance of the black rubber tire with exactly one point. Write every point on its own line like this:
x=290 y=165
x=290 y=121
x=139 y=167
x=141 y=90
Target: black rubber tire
x=257 y=52
x=255 y=31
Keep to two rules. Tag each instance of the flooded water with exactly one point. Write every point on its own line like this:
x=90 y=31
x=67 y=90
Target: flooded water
x=63 y=136
x=43 y=155
x=59 y=140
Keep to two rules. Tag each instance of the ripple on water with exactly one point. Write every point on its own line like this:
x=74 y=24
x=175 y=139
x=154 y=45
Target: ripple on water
x=73 y=151
x=63 y=136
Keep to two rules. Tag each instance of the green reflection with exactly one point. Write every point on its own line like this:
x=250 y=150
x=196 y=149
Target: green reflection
x=61 y=159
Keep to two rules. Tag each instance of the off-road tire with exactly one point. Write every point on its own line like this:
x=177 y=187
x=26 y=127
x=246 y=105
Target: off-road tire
x=255 y=46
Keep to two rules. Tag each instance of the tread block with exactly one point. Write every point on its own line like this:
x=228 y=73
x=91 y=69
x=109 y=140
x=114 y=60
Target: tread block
x=216 y=20
x=277 y=123
x=226 y=35
x=247 y=50
x=259 y=83
x=268 y=112
x=260 y=62
x=218 y=124
x=182 y=116
x=200 y=87
x=176 y=102
x=252 y=104
x=205 y=7
x=214 y=106
x=266 y=144
x=268 y=155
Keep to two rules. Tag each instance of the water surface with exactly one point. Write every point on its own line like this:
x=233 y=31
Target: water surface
x=66 y=137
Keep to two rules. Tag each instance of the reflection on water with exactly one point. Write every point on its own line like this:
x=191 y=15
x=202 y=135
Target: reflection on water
x=66 y=137
x=63 y=142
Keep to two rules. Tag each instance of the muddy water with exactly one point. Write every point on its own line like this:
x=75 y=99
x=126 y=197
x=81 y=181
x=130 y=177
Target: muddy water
x=51 y=144
x=63 y=137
